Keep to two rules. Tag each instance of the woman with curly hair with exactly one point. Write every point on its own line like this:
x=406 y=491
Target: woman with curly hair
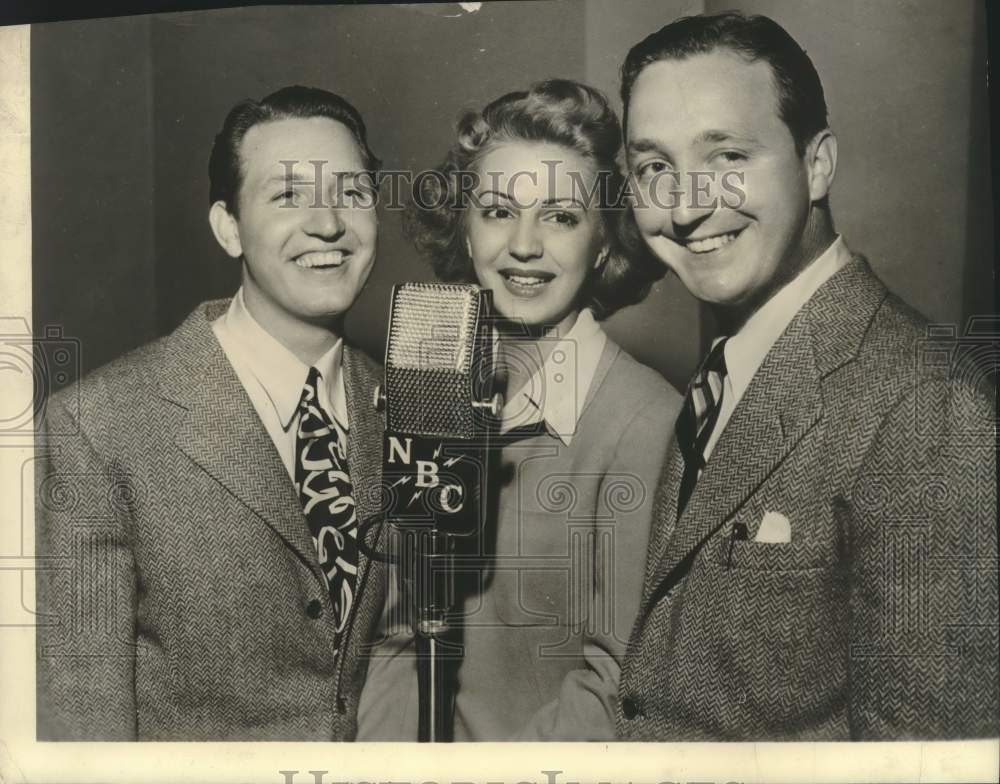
x=526 y=204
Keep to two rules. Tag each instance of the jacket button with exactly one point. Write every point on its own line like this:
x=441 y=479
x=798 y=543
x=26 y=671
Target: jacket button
x=314 y=609
x=629 y=708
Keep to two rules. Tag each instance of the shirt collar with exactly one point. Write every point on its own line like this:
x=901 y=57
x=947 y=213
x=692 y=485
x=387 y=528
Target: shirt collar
x=746 y=350
x=280 y=373
x=556 y=391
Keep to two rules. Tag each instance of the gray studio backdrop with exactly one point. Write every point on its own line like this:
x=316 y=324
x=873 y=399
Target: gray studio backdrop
x=124 y=112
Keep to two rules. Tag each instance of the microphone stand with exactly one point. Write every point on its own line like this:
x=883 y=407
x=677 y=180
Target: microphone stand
x=431 y=552
x=439 y=375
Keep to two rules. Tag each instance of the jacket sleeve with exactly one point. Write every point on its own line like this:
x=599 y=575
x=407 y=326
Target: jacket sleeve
x=923 y=582
x=85 y=587
x=585 y=708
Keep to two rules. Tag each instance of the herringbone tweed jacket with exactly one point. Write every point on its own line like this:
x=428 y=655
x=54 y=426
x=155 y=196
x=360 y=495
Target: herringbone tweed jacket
x=179 y=589
x=878 y=620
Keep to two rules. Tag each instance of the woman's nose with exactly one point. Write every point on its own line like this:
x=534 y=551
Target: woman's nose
x=525 y=243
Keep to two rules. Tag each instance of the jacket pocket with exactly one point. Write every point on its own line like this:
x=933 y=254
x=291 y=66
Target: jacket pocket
x=811 y=546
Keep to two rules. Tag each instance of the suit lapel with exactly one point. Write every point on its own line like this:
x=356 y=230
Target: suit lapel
x=364 y=450
x=222 y=433
x=664 y=517
x=782 y=403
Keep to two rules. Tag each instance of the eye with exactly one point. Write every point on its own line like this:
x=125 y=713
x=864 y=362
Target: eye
x=497 y=213
x=359 y=197
x=733 y=156
x=563 y=218
x=647 y=169
x=287 y=197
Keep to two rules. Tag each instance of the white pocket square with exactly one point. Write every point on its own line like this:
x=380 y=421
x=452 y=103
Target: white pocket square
x=774 y=528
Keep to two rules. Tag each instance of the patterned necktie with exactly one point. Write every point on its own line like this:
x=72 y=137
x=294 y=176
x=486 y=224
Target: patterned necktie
x=324 y=486
x=697 y=419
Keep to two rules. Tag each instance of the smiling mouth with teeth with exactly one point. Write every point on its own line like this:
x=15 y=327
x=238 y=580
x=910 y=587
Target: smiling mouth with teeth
x=321 y=259
x=709 y=244
x=530 y=280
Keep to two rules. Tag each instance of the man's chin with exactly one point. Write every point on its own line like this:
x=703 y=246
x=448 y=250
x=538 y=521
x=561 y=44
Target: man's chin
x=323 y=302
x=316 y=310
x=713 y=289
x=322 y=315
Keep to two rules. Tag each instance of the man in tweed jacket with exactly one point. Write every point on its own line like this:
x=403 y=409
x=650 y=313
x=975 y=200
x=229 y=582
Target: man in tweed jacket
x=822 y=564
x=180 y=590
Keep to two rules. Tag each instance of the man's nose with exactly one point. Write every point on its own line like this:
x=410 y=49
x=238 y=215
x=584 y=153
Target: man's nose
x=525 y=243
x=325 y=221
x=692 y=201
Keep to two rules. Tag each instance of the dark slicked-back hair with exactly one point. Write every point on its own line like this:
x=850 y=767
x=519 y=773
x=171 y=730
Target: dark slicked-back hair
x=225 y=173
x=556 y=111
x=801 y=103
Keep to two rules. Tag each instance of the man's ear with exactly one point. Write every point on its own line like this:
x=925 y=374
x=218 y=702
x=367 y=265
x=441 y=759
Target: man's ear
x=225 y=229
x=821 y=158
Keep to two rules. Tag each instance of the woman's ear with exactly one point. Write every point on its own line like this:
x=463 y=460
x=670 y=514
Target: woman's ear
x=225 y=229
x=602 y=256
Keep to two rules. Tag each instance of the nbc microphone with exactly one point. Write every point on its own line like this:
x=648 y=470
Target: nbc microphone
x=439 y=411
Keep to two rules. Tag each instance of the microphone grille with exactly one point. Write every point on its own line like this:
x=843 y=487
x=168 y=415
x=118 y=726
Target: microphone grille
x=435 y=337
x=432 y=326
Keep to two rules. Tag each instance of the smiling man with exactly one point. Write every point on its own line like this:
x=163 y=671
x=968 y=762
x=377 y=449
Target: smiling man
x=829 y=499
x=212 y=581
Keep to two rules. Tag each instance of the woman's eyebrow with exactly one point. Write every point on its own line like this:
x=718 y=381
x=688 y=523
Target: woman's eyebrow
x=567 y=200
x=501 y=194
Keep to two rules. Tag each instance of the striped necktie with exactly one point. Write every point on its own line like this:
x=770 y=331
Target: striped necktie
x=698 y=417
x=327 y=497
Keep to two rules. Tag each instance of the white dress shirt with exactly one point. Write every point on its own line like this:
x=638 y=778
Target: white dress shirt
x=558 y=385
x=273 y=377
x=746 y=350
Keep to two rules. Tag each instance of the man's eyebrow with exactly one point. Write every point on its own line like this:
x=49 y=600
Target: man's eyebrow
x=310 y=178
x=645 y=145
x=714 y=136
x=288 y=177
x=711 y=136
